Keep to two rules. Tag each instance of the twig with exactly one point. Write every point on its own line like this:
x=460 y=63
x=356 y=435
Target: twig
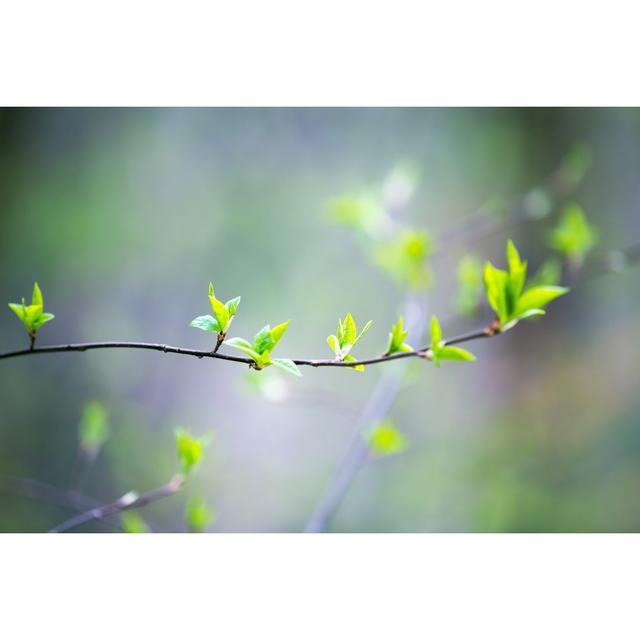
x=129 y=500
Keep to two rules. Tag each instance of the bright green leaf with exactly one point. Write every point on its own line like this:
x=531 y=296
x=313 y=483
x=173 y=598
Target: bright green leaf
x=573 y=235
x=397 y=338
x=349 y=331
x=538 y=297
x=244 y=346
x=333 y=342
x=436 y=332
x=220 y=312
x=276 y=334
x=455 y=353
x=364 y=330
x=262 y=341
x=36 y=298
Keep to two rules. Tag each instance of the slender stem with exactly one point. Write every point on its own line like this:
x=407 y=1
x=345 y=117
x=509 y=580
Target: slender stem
x=127 y=501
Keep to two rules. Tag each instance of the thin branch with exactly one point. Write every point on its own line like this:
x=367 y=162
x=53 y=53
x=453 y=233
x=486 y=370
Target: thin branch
x=129 y=500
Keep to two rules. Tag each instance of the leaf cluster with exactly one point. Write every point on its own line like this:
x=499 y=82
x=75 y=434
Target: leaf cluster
x=223 y=314
x=347 y=338
x=32 y=316
x=507 y=295
x=263 y=344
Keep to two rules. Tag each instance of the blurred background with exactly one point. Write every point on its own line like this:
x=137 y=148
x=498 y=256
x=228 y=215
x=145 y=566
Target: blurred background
x=123 y=216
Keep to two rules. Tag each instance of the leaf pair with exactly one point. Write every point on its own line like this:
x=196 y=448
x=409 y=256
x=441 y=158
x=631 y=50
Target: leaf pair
x=32 y=316
x=223 y=314
x=439 y=349
x=506 y=294
x=397 y=339
x=346 y=339
x=263 y=344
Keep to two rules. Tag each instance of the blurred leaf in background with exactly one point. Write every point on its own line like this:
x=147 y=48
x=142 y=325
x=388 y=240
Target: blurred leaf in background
x=94 y=429
x=198 y=516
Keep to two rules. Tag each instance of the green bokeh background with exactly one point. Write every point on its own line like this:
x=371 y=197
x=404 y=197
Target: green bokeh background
x=124 y=215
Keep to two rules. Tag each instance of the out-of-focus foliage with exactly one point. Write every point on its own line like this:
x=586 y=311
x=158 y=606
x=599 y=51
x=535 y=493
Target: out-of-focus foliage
x=405 y=258
x=94 y=429
x=573 y=236
x=507 y=295
x=469 y=293
x=198 y=516
x=189 y=449
x=132 y=522
x=386 y=439
x=32 y=316
x=548 y=274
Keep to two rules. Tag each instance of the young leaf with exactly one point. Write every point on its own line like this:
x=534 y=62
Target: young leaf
x=364 y=330
x=244 y=346
x=455 y=353
x=538 y=297
x=189 y=449
x=386 y=439
x=132 y=522
x=436 y=332
x=397 y=338
x=348 y=331
x=333 y=342
x=262 y=341
x=358 y=367
x=197 y=515
x=286 y=365
x=276 y=333
x=232 y=305
x=517 y=273
x=496 y=282
x=36 y=298
x=206 y=323
x=220 y=312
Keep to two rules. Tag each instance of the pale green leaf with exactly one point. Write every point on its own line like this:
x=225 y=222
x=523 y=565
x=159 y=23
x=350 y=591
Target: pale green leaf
x=349 y=331
x=206 y=323
x=436 y=332
x=244 y=346
x=276 y=334
x=332 y=341
x=455 y=353
x=364 y=330
x=286 y=365
x=189 y=450
x=232 y=305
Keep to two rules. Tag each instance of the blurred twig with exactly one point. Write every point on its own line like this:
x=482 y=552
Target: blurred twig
x=129 y=500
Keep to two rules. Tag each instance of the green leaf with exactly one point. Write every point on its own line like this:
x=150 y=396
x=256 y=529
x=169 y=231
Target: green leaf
x=436 y=333
x=358 y=367
x=455 y=353
x=573 y=235
x=19 y=310
x=397 y=338
x=36 y=298
x=206 y=323
x=286 y=365
x=348 y=331
x=220 y=312
x=244 y=346
x=364 y=330
x=189 y=449
x=496 y=282
x=262 y=341
x=94 y=429
x=197 y=515
x=41 y=319
x=276 y=334
x=132 y=522
x=211 y=294
x=538 y=297
x=333 y=342
x=232 y=305
x=517 y=275
x=386 y=439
